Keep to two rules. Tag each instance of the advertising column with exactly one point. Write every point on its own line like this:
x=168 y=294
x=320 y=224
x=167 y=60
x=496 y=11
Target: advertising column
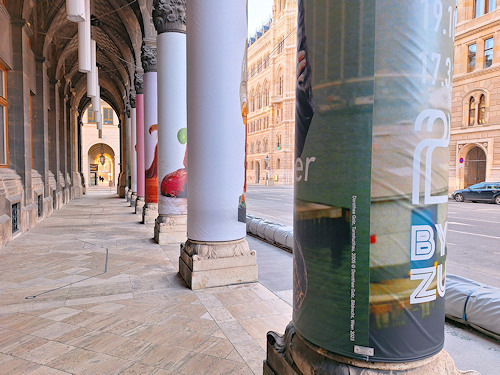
x=139 y=123
x=148 y=58
x=170 y=23
x=133 y=149
x=371 y=181
x=216 y=252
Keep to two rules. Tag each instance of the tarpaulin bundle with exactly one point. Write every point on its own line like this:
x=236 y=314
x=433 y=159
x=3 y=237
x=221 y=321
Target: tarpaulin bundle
x=473 y=303
x=274 y=233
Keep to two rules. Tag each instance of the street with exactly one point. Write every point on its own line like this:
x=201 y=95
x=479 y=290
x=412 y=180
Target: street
x=473 y=230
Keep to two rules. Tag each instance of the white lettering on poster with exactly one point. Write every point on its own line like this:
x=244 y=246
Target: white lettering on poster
x=299 y=168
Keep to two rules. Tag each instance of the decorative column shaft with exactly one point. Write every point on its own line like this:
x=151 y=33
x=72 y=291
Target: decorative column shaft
x=148 y=58
x=170 y=23
x=371 y=180
x=216 y=252
x=128 y=148
x=133 y=149
x=139 y=122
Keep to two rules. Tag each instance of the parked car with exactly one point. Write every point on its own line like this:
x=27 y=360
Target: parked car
x=482 y=192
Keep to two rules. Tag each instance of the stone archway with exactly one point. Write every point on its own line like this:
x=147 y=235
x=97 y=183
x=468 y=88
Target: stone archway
x=475 y=166
x=101 y=174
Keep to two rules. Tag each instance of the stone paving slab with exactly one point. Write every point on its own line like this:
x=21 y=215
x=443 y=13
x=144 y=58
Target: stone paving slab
x=88 y=291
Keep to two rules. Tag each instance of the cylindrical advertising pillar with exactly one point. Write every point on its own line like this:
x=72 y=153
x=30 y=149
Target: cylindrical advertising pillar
x=170 y=226
x=371 y=176
x=139 y=123
x=133 y=149
x=148 y=58
x=216 y=149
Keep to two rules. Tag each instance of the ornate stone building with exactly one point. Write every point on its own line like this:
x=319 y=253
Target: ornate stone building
x=475 y=123
x=271 y=97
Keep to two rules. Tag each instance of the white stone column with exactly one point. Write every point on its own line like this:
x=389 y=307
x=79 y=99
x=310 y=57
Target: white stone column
x=139 y=144
x=148 y=58
x=170 y=225
x=216 y=252
x=133 y=152
x=129 y=152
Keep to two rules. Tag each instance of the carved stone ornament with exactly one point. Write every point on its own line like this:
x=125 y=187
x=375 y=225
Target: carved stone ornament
x=139 y=83
x=132 y=99
x=169 y=16
x=148 y=58
x=127 y=109
x=214 y=250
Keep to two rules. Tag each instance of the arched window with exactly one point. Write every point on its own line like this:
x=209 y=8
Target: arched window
x=278 y=142
x=258 y=97
x=252 y=100
x=280 y=84
x=265 y=144
x=266 y=94
x=258 y=146
x=482 y=110
x=251 y=165
x=252 y=148
x=472 y=111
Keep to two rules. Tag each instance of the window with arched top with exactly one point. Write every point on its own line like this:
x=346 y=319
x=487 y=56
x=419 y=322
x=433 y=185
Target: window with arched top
x=252 y=101
x=265 y=145
x=258 y=146
x=278 y=142
x=472 y=111
x=481 y=117
x=266 y=94
x=258 y=98
x=252 y=148
x=280 y=84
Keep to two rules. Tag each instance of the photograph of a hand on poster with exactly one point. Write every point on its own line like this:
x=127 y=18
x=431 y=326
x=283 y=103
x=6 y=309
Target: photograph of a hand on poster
x=371 y=159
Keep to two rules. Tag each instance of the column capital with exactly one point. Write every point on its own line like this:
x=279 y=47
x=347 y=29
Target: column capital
x=139 y=83
x=169 y=16
x=148 y=57
x=132 y=99
x=127 y=110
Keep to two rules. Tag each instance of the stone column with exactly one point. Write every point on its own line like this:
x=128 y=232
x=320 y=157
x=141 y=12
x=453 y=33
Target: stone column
x=148 y=58
x=133 y=150
x=170 y=23
x=216 y=252
x=369 y=227
x=128 y=151
x=139 y=145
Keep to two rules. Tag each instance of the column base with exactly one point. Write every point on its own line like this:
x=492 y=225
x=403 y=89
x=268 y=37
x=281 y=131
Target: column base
x=133 y=199
x=149 y=213
x=170 y=229
x=291 y=354
x=210 y=264
x=139 y=205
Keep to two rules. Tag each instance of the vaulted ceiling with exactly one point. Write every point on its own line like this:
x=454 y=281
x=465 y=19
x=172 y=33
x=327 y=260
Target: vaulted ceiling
x=118 y=27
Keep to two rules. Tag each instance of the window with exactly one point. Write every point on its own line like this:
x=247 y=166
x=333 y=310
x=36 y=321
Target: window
x=482 y=110
x=90 y=115
x=488 y=52
x=265 y=144
x=252 y=149
x=3 y=119
x=266 y=95
x=40 y=205
x=471 y=58
x=15 y=217
x=472 y=111
x=280 y=85
x=258 y=146
x=108 y=116
x=281 y=46
x=259 y=98
x=278 y=142
x=483 y=6
x=278 y=164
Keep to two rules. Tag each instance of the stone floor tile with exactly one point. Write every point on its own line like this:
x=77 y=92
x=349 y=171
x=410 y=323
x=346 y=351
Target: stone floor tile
x=217 y=347
x=104 y=364
x=15 y=366
x=132 y=350
x=60 y=314
x=29 y=324
x=98 y=341
x=252 y=354
x=165 y=357
x=46 y=352
x=139 y=368
x=235 y=332
x=73 y=361
x=221 y=314
x=235 y=356
x=55 y=330
x=207 y=365
x=188 y=341
x=235 y=297
x=106 y=308
x=70 y=336
x=24 y=345
x=44 y=370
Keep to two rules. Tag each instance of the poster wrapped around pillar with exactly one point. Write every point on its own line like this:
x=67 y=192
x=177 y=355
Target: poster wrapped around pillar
x=133 y=143
x=139 y=122
x=172 y=115
x=216 y=128
x=150 y=123
x=371 y=176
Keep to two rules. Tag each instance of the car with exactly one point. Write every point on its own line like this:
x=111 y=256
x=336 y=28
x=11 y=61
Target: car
x=482 y=192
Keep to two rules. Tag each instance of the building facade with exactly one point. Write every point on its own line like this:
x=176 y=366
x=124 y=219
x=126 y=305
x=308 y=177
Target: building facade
x=95 y=171
x=271 y=97
x=475 y=120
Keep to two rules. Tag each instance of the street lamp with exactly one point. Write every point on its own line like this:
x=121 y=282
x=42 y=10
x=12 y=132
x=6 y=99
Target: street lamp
x=102 y=158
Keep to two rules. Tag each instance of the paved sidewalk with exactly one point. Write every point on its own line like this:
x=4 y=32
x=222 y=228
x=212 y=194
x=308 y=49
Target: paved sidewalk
x=104 y=298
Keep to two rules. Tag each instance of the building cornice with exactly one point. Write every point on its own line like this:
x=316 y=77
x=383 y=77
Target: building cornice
x=492 y=69
x=483 y=27
x=475 y=129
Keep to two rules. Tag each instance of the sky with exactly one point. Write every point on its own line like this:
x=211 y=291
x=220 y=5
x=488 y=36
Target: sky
x=259 y=11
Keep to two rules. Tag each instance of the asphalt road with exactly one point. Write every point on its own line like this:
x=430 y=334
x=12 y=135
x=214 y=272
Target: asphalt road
x=473 y=230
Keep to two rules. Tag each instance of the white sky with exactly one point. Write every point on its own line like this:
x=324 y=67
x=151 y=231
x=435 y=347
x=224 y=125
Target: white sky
x=259 y=11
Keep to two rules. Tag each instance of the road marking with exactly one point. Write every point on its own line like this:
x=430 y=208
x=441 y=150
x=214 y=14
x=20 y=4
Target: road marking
x=474 y=234
x=274 y=199
x=467 y=225
x=482 y=221
x=453 y=244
